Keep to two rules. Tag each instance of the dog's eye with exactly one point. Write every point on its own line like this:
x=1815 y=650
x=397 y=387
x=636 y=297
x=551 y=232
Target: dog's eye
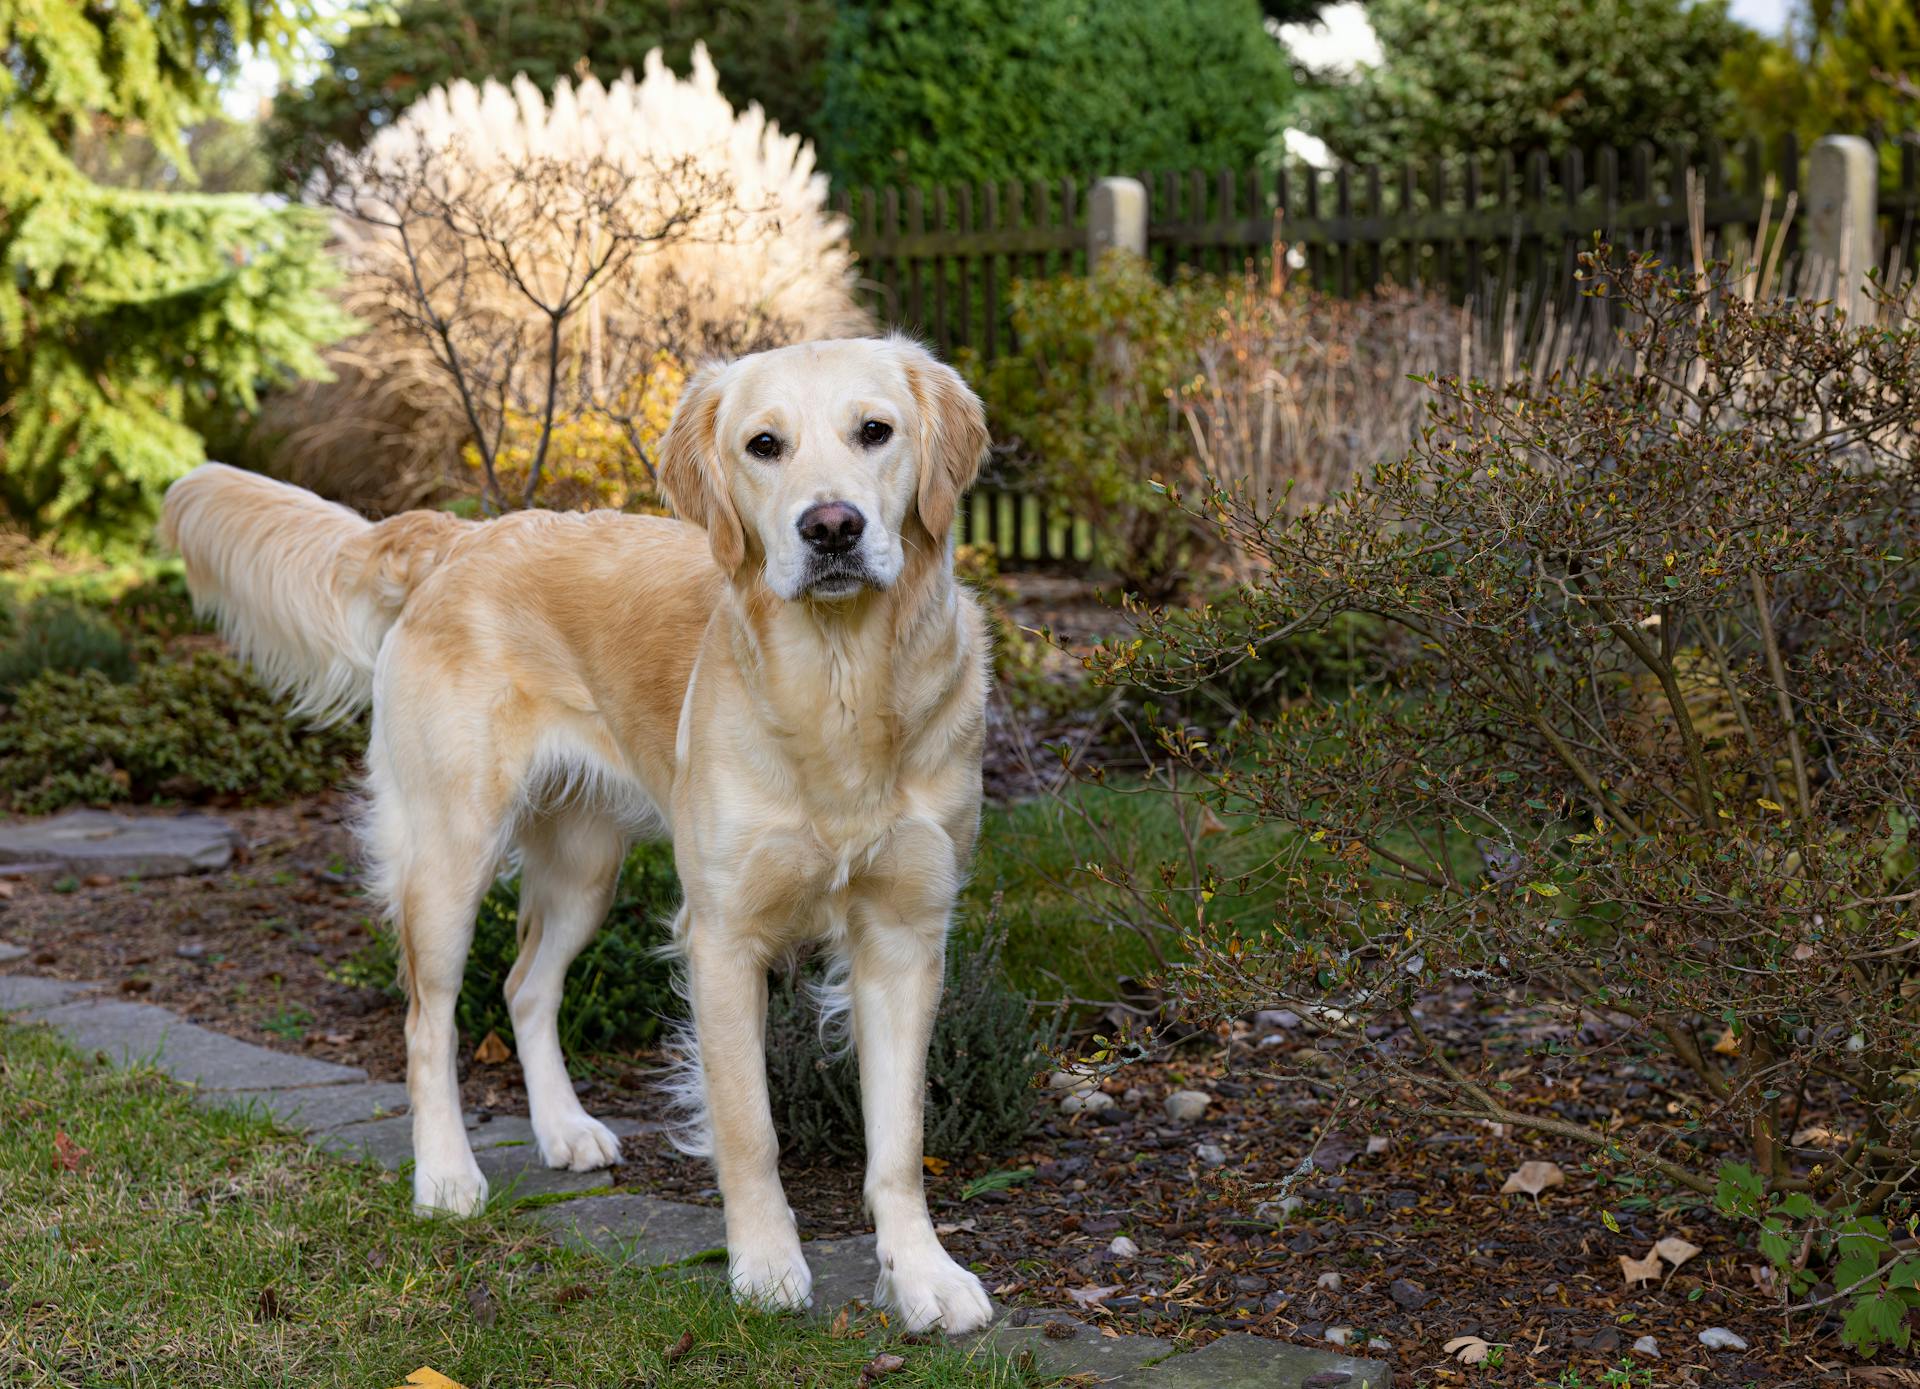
x=874 y=433
x=763 y=445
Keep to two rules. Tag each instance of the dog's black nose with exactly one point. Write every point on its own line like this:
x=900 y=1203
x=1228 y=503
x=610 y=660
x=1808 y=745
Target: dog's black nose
x=832 y=528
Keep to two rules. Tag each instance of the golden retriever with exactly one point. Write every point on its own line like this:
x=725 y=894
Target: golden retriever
x=789 y=683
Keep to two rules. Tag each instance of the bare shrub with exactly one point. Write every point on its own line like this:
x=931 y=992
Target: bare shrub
x=1647 y=764
x=538 y=276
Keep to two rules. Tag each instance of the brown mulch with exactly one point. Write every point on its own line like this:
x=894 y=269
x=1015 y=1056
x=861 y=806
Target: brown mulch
x=1424 y=1245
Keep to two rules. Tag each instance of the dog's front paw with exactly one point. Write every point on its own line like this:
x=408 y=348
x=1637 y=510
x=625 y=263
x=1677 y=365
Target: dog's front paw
x=776 y=1279
x=577 y=1143
x=453 y=1191
x=926 y=1288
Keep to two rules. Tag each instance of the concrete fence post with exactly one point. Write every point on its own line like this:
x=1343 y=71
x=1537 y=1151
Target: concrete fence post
x=1116 y=217
x=1843 y=190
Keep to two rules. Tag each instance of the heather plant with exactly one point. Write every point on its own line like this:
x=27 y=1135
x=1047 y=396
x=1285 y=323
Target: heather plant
x=540 y=274
x=1646 y=760
x=980 y=1067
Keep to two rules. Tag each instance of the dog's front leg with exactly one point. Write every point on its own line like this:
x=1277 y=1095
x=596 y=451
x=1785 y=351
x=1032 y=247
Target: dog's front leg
x=897 y=969
x=729 y=989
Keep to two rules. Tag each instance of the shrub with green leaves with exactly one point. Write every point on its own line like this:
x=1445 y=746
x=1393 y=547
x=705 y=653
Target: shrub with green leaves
x=58 y=636
x=979 y=1070
x=196 y=729
x=620 y=986
x=1649 y=753
x=1088 y=407
x=1050 y=87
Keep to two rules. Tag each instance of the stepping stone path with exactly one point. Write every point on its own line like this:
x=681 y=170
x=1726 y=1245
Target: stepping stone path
x=82 y=843
x=342 y=1112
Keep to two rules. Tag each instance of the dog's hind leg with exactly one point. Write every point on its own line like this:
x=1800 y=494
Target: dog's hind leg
x=436 y=888
x=569 y=864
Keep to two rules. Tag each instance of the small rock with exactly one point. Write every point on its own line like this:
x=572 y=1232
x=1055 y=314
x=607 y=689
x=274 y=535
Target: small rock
x=1605 y=1341
x=1647 y=1346
x=1277 y=1210
x=1378 y=1144
x=10 y=951
x=191 y=950
x=1719 y=1338
x=1184 y=1106
x=1339 y=1335
x=1249 y=1283
x=1273 y=1039
x=1123 y=1248
x=1211 y=1154
x=1276 y=1020
x=1409 y=1295
x=1085 y=1101
x=1329 y=1281
x=1071 y=1080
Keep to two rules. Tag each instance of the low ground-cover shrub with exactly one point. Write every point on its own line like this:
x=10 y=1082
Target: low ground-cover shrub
x=51 y=635
x=201 y=728
x=1659 y=685
x=980 y=1068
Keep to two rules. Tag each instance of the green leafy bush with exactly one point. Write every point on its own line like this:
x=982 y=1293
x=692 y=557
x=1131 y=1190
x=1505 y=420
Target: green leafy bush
x=65 y=637
x=1521 y=75
x=1650 y=752
x=618 y=989
x=1051 y=87
x=979 y=1069
x=1088 y=406
x=201 y=728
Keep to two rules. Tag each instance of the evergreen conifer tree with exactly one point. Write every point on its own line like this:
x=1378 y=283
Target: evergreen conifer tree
x=127 y=317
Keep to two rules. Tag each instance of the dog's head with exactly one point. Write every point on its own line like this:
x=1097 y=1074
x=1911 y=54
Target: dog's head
x=827 y=464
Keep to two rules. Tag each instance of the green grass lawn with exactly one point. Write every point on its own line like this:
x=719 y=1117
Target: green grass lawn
x=162 y=1244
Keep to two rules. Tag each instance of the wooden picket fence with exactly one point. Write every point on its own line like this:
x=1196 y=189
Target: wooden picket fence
x=940 y=260
x=1489 y=230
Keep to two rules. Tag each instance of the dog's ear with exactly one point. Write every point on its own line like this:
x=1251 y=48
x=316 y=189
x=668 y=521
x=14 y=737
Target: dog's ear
x=690 y=471
x=953 y=435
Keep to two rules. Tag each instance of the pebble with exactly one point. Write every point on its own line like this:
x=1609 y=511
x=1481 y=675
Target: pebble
x=1276 y=1019
x=191 y=950
x=1719 y=1338
x=1184 y=1106
x=1409 y=1295
x=1646 y=1345
x=1211 y=1154
x=1277 y=1210
x=1087 y=1101
x=1329 y=1281
x=1071 y=1080
x=1378 y=1144
x=1123 y=1248
x=1339 y=1335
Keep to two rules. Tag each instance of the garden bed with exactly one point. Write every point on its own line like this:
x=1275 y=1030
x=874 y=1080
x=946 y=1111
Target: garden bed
x=1425 y=1246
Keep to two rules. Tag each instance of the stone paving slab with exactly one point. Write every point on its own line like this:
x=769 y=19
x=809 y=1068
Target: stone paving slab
x=641 y=1230
x=140 y=1032
x=318 y=1108
x=98 y=841
x=28 y=993
x=844 y=1270
x=1115 y=1359
x=1254 y=1362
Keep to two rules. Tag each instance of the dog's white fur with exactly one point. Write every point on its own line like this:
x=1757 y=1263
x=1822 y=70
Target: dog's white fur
x=548 y=687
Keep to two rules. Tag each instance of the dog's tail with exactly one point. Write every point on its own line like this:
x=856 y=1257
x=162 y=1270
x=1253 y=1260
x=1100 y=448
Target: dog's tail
x=304 y=589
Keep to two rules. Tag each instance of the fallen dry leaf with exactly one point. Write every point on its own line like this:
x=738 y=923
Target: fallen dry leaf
x=937 y=1166
x=881 y=1366
x=1675 y=1250
x=1088 y=1297
x=427 y=1377
x=1468 y=1350
x=1645 y=1270
x=1533 y=1178
x=1728 y=1045
x=68 y=1156
x=679 y=1347
x=491 y=1051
